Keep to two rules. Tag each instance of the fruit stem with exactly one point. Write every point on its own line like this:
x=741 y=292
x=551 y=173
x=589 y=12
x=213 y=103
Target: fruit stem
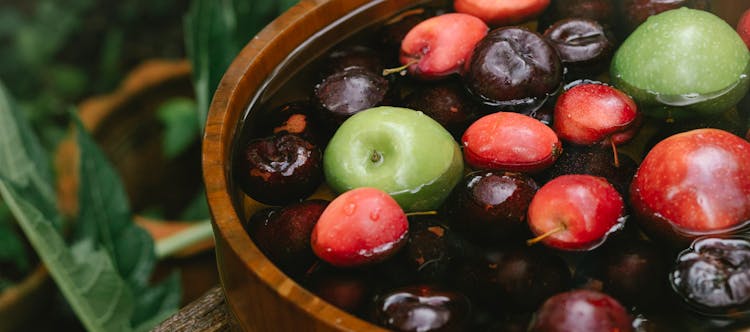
x=614 y=153
x=389 y=71
x=539 y=238
x=421 y=213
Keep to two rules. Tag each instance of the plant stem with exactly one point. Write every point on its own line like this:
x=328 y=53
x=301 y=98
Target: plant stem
x=201 y=231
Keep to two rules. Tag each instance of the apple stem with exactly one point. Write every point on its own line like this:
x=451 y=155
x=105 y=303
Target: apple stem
x=389 y=71
x=375 y=156
x=545 y=235
x=614 y=153
x=422 y=213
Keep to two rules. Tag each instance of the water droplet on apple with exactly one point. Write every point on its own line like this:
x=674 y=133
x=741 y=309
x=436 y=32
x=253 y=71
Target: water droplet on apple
x=350 y=208
x=375 y=214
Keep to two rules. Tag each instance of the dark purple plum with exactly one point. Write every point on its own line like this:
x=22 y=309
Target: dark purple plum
x=713 y=277
x=447 y=102
x=350 y=57
x=581 y=310
x=284 y=234
x=512 y=68
x=348 y=289
x=602 y=11
x=345 y=93
x=422 y=308
x=597 y=161
x=585 y=47
x=635 y=12
x=296 y=117
x=490 y=206
x=279 y=169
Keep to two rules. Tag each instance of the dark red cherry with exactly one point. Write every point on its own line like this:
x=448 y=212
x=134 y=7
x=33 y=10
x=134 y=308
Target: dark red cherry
x=279 y=169
x=447 y=102
x=345 y=93
x=422 y=308
x=581 y=310
x=585 y=47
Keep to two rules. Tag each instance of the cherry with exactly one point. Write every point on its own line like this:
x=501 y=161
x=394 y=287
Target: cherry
x=575 y=212
x=347 y=289
x=345 y=93
x=490 y=206
x=585 y=47
x=581 y=310
x=511 y=142
x=711 y=277
x=295 y=117
x=500 y=13
x=441 y=45
x=361 y=226
x=422 y=308
x=447 y=102
x=432 y=249
x=514 y=66
x=693 y=183
x=284 y=234
x=279 y=169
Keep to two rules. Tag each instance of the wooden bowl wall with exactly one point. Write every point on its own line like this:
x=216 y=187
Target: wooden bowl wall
x=260 y=296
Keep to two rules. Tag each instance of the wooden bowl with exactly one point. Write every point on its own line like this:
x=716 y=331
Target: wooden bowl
x=261 y=297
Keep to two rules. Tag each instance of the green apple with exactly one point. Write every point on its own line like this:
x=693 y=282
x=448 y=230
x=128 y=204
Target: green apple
x=398 y=150
x=681 y=63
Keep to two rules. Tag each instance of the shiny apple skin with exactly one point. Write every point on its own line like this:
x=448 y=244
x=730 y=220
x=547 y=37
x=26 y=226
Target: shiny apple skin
x=693 y=183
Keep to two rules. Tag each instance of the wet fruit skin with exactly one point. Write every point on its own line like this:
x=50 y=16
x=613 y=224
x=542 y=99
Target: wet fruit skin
x=422 y=308
x=359 y=227
x=650 y=65
x=510 y=142
x=501 y=13
x=441 y=45
x=576 y=211
x=345 y=93
x=602 y=11
x=588 y=114
x=594 y=160
x=284 y=234
x=635 y=12
x=512 y=63
x=445 y=101
x=743 y=27
x=711 y=277
x=634 y=272
x=693 y=183
x=581 y=310
x=585 y=47
x=490 y=206
x=279 y=169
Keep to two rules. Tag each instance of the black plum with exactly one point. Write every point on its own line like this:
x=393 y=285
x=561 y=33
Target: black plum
x=585 y=46
x=422 y=308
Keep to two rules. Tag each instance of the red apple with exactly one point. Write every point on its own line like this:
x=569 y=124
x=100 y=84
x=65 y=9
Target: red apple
x=694 y=183
x=575 y=212
x=441 y=45
x=361 y=226
x=500 y=13
x=743 y=27
x=510 y=142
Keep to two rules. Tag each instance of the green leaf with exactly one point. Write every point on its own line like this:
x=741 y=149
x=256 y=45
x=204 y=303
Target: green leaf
x=197 y=209
x=181 y=127
x=85 y=276
x=104 y=275
x=215 y=32
x=107 y=219
x=11 y=246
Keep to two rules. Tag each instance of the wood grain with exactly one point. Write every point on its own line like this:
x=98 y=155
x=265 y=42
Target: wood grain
x=207 y=314
x=260 y=295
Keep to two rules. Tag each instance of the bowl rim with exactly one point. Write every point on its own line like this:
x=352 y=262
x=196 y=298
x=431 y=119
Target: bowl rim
x=250 y=68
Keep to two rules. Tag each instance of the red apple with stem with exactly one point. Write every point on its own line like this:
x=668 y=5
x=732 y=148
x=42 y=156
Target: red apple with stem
x=693 y=183
x=501 y=13
x=575 y=212
x=359 y=227
x=590 y=113
x=510 y=142
x=440 y=46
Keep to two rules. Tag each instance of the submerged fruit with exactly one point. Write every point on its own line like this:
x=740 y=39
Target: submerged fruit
x=670 y=65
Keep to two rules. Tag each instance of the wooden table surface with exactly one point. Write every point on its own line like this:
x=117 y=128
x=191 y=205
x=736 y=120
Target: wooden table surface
x=209 y=313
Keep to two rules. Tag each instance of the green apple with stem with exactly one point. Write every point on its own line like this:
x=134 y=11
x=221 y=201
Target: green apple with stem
x=398 y=150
